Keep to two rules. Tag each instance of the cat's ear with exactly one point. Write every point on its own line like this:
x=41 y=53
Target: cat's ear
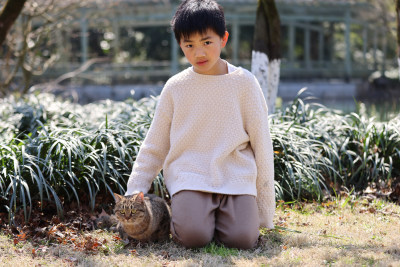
x=140 y=197
x=118 y=198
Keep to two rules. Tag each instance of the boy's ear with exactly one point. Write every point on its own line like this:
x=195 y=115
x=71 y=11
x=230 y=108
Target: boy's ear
x=118 y=198
x=225 y=38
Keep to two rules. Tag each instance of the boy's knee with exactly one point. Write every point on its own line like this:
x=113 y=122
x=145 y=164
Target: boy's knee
x=192 y=236
x=192 y=223
x=240 y=240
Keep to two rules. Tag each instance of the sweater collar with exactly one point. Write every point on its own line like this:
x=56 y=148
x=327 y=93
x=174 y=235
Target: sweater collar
x=205 y=76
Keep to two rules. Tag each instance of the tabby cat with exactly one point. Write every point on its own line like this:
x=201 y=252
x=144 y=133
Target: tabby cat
x=144 y=217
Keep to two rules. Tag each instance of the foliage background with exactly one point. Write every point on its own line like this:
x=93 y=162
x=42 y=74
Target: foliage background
x=33 y=49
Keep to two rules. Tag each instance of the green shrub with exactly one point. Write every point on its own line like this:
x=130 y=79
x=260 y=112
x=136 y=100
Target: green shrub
x=56 y=151
x=327 y=149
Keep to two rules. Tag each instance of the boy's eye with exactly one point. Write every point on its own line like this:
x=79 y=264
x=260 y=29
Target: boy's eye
x=189 y=46
x=207 y=43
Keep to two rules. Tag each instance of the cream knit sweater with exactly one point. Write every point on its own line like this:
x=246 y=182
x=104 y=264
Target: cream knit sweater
x=210 y=133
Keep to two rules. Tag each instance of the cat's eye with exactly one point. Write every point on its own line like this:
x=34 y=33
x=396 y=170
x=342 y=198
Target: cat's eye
x=133 y=211
x=122 y=212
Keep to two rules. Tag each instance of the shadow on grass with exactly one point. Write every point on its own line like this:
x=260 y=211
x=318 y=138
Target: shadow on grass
x=364 y=255
x=269 y=244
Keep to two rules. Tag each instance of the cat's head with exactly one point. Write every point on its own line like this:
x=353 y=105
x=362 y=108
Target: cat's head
x=130 y=208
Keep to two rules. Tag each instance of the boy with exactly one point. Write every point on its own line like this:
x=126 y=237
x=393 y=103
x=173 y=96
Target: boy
x=210 y=135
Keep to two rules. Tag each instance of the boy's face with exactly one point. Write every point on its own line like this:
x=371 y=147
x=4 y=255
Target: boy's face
x=203 y=52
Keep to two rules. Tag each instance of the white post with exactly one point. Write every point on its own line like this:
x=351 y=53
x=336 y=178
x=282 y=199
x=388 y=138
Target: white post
x=267 y=73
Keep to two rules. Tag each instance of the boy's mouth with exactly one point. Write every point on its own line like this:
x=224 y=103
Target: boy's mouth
x=202 y=62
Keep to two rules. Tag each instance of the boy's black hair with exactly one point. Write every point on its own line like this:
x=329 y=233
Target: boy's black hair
x=197 y=16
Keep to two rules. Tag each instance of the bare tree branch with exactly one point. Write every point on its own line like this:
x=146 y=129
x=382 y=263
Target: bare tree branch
x=8 y=15
x=55 y=84
x=31 y=43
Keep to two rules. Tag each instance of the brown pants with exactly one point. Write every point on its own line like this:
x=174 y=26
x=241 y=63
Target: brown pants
x=197 y=217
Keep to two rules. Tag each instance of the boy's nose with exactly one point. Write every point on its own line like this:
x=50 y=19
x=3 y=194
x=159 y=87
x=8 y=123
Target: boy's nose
x=199 y=52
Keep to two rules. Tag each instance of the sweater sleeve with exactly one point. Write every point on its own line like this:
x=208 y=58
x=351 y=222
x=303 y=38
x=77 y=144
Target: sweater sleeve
x=257 y=127
x=154 y=148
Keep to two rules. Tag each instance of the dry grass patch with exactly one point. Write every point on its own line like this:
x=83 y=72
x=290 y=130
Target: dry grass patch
x=340 y=233
x=359 y=233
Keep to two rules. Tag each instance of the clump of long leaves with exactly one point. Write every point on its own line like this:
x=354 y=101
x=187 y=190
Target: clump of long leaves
x=319 y=149
x=56 y=151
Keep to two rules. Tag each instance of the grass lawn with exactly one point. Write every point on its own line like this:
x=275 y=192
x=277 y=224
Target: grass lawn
x=361 y=232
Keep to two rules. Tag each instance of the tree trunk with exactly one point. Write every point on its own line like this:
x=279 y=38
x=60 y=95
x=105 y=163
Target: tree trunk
x=398 y=32
x=8 y=15
x=266 y=54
